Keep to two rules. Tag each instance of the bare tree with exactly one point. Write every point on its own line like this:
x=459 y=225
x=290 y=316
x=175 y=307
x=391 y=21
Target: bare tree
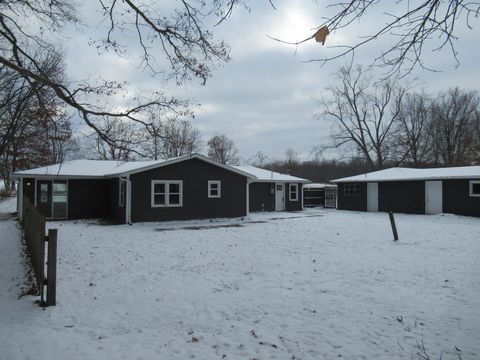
x=414 y=137
x=364 y=114
x=124 y=140
x=34 y=127
x=454 y=115
x=170 y=133
x=408 y=29
x=223 y=150
x=259 y=159
x=477 y=137
x=181 y=138
x=291 y=161
x=178 y=38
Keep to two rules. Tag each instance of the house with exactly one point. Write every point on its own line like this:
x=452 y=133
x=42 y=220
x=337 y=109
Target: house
x=187 y=187
x=273 y=191
x=453 y=190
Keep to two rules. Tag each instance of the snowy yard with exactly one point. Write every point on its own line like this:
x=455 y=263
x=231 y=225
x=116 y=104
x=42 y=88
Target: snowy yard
x=313 y=285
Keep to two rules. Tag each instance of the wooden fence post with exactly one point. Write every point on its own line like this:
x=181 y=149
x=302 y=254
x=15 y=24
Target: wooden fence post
x=52 y=268
x=394 y=227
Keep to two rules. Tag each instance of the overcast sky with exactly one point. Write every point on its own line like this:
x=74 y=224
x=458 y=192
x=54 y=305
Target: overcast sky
x=264 y=99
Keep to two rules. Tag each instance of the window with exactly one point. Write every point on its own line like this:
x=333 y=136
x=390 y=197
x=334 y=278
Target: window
x=59 y=192
x=475 y=188
x=167 y=193
x=121 y=193
x=214 y=189
x=43 y=193
x=293 y=193
x=351 y=189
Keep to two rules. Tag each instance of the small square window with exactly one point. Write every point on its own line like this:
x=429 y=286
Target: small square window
x=159 y=199
x=174 y=199
x=475 y=188
x=174 y=188
x=351 y=189
x=159 y=188
x=214 y=189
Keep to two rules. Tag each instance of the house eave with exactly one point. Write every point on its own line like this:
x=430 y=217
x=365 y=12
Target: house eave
x=58 y=177
x=135 y=171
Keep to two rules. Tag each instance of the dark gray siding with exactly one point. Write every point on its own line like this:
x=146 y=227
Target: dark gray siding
x=293 y=205
x=196 y=205
x=261 y=198
x=457 y=199
x=402 y=196
x=88 y=198
x=352 y=202
x=29 y=189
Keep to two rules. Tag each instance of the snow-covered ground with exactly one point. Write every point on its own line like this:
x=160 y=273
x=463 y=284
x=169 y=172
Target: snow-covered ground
x=321 y=284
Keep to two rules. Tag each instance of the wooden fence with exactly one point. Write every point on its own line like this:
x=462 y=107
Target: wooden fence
x=33 y=223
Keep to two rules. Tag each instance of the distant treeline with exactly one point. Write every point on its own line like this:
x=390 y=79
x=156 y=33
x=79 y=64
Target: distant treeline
x=321 y=171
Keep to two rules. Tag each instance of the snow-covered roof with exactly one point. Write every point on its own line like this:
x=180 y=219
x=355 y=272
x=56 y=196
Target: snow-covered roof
x=398 y=173
x=262 y=175
x=317 y=186
x=110 y=168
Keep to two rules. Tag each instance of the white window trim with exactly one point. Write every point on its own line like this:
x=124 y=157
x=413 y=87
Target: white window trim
x=167 y=184
x=290 y=198
x=120 y=202
x=471 y=187
x=219 y=187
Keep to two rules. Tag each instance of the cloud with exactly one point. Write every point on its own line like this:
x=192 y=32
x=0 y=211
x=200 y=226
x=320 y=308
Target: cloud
x=264 y=99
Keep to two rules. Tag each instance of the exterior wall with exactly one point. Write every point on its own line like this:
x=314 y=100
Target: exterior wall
x=457 y=199
x=352 y=202
x=293 y=205
x=29 y=189
x=196 y=205
x=402 y=196
x=260 y=197
x=89 y=198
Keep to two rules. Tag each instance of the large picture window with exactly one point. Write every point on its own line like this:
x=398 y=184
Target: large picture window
x=474 y=187
x=167 y=193
x=351 y=189
x=214 y=189
x=293 y=192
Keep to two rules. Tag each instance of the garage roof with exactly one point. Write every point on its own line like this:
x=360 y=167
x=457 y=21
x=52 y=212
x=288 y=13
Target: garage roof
x=399 y=173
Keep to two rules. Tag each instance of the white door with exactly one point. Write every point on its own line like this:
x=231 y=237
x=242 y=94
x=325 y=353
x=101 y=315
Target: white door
x=372 y=196
x=433 y=197
x=279 y=197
